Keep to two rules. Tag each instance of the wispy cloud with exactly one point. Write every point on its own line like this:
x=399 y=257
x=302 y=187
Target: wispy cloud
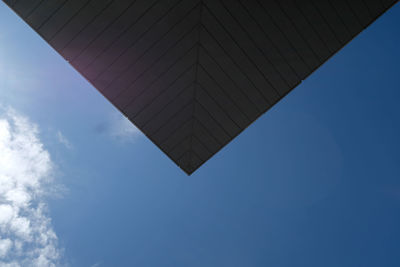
x=123 y=129
x=96 y=264
x=119 y=128
x=26 y=235
x=63 y=140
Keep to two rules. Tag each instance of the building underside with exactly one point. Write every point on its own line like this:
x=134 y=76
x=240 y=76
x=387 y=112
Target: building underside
x=193 y=74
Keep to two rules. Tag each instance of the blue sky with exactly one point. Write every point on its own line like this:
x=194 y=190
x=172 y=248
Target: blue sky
x=313 y=182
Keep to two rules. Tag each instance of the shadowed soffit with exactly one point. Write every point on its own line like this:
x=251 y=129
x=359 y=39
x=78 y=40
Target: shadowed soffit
x=191 y=75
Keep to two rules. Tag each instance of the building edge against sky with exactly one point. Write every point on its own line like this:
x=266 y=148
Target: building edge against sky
x=191 y=75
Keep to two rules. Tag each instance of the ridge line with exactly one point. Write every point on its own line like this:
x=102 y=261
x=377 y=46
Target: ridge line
x=195 y=85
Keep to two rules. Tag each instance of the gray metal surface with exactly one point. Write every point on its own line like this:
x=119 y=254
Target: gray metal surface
x=193 y=74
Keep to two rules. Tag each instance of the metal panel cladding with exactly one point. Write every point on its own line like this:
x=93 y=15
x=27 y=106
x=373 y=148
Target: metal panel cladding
x=193 y=74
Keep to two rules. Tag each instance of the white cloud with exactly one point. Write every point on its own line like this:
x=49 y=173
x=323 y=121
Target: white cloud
x=63 y=140
x=26 y=235
x=124 y=130
x=5 y=246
